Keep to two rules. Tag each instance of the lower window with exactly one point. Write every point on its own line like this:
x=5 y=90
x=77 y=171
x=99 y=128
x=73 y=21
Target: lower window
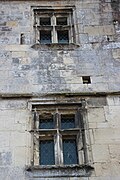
x=58 y=135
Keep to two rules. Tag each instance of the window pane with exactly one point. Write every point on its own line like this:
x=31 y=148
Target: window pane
x=45 y=37
x=70 y=151
x=67 y=121
x=63 y=36
x=47 y=152
x=46 y=121
x=61 y=21
x=45 y=21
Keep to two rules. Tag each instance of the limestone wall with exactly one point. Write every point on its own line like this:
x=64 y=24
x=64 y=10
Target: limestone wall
x=29 y=70
x=104 y=131
x=34 y=70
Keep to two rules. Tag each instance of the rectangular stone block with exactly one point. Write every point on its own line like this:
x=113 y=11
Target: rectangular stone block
x=5 y=158
x=91 y=30
x=20 y=156
x=18 y=54
x=116 y=53
x=109 y=30
x=18 y=48
x=114 y=151
x=112 y=116
x=106 y=135
x=102 y=169
x=18 y=139
x=12 y=23
x=4 y=139
x=96 y=115
x=100 y=153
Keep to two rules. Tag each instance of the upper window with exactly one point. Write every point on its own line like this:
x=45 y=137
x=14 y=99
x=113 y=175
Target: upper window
x=53 y=26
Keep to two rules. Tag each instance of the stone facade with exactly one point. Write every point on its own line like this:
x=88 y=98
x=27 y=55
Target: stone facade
x=32 y=72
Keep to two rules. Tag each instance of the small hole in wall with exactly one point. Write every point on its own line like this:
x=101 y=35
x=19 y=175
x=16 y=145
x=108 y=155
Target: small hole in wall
x=22 y=38
x=86 y=79
x=108 y=39
x=115 y=22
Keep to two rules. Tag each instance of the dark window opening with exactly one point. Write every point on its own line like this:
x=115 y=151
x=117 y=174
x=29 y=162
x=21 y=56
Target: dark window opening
x=70 y=151
x=86 y=80
x=22 y=38
x=67 y=121
x=63 y=36
x=45 y=37
x=45 y=21
x=61 y=21
x=47 y=152
x=46 y=121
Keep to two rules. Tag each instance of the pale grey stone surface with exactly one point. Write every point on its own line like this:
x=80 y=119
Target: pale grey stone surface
x=26 y=70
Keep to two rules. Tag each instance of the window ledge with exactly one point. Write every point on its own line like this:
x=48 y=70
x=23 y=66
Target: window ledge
x=56 y=46
x=60 y=171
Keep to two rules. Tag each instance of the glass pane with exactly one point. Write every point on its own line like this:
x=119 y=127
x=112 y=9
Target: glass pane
x=63 y=36
x=46 y=121
x=47 y=152
x=45 y=21
x=45 y=37
x=67 y=121
x=61 y=21
x=70 y=151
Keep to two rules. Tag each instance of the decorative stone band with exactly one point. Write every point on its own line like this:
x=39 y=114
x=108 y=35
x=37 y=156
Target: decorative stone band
x=60 y=171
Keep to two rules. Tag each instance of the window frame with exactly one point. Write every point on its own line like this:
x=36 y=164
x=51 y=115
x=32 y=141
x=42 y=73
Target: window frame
x=53 y=14
x=84 y=169
x=59 y=133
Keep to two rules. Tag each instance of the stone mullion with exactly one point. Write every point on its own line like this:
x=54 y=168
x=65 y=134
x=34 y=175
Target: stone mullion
x=75 y=29
x=36 y=149
x=58 y=142
x=37 y=32
x=70 y=23
x=54 y=33
x=80 y=149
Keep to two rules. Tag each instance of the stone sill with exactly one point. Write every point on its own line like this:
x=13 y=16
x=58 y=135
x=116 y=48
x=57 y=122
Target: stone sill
x=55 y=46
x=60 y=171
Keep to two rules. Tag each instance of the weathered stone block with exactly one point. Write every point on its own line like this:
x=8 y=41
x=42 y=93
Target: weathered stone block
x=91 y=30
x=103 y=169
x=114 y=152
x=116 y=53
x=20 y=156
x=11 y=23
x=5 y=158
x=102 y=136
x=96 y=115
x=100 y=153
x=18 y=54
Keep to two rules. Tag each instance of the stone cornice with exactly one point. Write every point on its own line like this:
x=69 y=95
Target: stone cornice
x=36 y=95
